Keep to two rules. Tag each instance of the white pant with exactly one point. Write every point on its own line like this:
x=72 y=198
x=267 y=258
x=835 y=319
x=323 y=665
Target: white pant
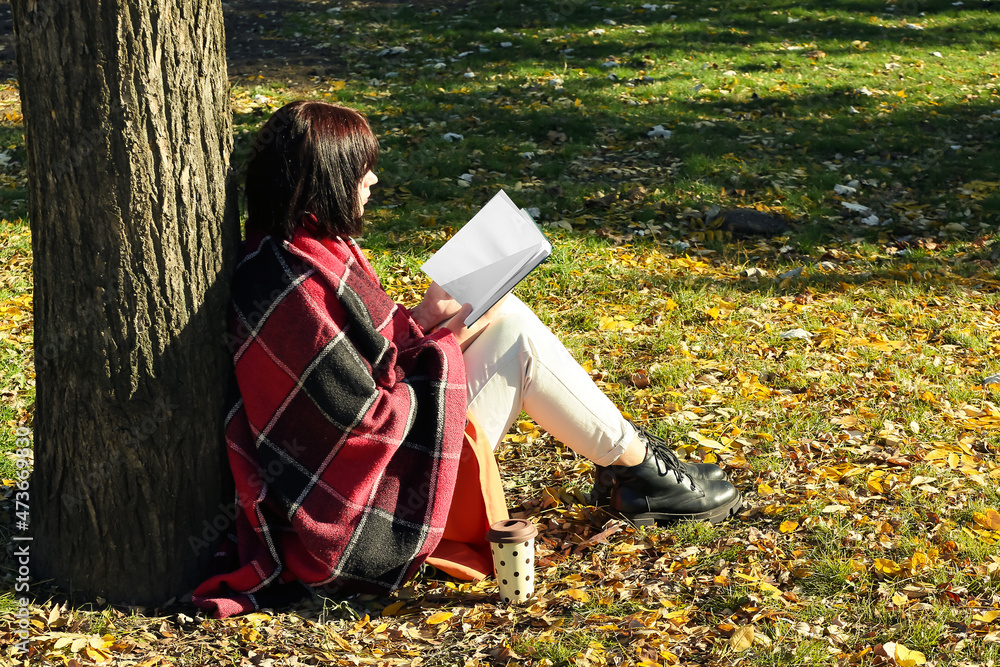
x=518 y=364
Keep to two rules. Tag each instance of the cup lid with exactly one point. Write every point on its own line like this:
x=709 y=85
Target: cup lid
x=510 y=531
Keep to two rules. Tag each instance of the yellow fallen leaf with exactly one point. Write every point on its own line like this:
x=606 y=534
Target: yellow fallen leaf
x=917 y=562
x=615 y=323
x=393 y=609
x=678 y=618
x=96 y=655
x=742 y=638
x=904 y=657
x=989 y=519
x=578 y=594
x=669 y=304
x=769 y=589
x=708 y=443
x=987 y=617
x=788 y=526
x=250 y=634
x=626 y=548
x=256 y=617
x=527 y=426
x=764 y=489
x=887 y=567
x=439 y=617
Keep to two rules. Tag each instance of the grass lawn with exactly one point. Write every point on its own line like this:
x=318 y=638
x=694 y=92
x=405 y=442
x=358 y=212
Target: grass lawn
x=842 y=371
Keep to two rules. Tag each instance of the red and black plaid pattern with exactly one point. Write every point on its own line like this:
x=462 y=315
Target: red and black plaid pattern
x=345 y=431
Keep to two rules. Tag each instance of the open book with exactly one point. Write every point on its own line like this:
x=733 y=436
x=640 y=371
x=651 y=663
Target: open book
x=487 y=257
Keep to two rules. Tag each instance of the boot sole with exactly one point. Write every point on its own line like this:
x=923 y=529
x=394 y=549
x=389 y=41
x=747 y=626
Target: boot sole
x=713 y=516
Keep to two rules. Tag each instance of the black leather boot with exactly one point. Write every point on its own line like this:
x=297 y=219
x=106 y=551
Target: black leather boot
x=604 y=476
x=656 y=491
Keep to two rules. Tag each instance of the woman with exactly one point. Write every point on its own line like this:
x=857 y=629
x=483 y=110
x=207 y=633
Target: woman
x=361 y=432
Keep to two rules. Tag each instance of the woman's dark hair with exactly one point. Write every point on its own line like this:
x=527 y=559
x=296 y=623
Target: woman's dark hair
x=309 y=158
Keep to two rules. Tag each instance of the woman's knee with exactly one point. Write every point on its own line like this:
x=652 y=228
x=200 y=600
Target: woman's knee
x=519 y=330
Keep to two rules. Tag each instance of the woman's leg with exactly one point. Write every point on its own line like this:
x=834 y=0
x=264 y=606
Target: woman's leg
x=517 y=364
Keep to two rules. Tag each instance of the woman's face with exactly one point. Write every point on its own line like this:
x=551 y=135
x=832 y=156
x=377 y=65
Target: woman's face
x=365 y=188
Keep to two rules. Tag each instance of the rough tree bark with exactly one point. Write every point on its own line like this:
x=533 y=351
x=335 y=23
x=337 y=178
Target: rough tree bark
x=128 y=134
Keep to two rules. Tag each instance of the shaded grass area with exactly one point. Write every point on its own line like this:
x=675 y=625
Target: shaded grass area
x=775 y=133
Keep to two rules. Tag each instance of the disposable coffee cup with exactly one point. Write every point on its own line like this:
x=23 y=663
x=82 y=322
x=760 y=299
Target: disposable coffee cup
x=513 y=543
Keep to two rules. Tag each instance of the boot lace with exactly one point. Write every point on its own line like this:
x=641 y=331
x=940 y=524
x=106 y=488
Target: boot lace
x=666 y=460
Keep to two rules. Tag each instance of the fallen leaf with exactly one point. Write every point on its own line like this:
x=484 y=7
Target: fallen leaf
x=742 y=638
x=393 y=609
x=903 y=656
x=990 y=519
x=439 y=617
x=640 y=379
x=796 y=333
x=788 y=526
x=886 y=566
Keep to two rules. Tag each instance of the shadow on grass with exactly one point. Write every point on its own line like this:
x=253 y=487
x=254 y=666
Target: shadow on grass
x=927 y=274
x=917 y=150
x=913 y=162
x=738 y=24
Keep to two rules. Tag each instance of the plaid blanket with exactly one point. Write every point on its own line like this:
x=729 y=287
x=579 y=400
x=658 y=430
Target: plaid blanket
x=344 y=435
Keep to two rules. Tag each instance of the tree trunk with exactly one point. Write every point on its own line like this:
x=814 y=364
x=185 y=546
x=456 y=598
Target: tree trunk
x=128 y=134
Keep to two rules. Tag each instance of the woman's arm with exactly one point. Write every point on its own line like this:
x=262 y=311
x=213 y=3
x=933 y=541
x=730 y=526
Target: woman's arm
x=466 y=334
x=436 y=307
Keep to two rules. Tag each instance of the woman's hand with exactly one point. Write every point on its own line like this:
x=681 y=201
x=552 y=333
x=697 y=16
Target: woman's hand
x=466 y=334
x=436 y=307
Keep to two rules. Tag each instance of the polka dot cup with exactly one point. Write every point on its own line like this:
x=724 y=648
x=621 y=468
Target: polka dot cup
x=513 y=542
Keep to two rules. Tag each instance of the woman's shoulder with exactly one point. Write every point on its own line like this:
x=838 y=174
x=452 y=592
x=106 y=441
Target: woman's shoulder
x=267 y=264
x=301 y=248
